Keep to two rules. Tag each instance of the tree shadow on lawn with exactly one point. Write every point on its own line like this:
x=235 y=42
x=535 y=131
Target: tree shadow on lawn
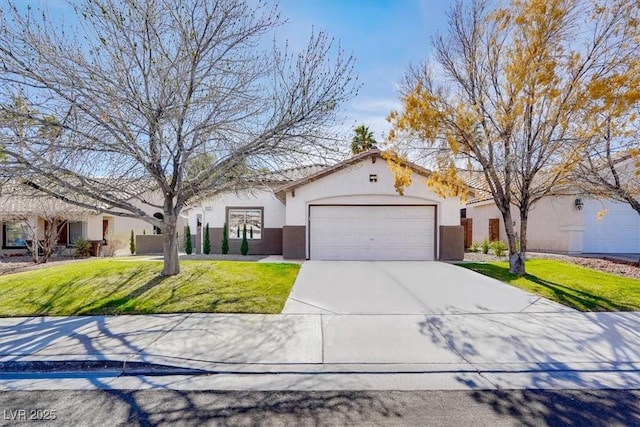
x=582 y=300
x=126 y=298
x=572 y=297
x=48 y=303
x=111 y=302
x=119 y=305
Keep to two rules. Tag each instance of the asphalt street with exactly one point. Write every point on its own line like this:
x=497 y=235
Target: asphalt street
x=327 y=408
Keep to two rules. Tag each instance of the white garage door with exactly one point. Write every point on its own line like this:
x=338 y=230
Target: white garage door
x=372 y=232
x=617 y=232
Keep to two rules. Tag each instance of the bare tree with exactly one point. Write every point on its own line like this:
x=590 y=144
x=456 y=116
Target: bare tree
x=143 y=88
x=611 y=164
x=510 y=94
x=116 y=241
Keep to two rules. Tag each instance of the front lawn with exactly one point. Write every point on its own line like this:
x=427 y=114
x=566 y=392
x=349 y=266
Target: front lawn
x=113 y=286
x=578 y=287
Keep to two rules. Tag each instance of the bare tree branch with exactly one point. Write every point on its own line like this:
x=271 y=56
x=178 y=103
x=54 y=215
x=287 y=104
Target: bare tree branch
x=144 y=88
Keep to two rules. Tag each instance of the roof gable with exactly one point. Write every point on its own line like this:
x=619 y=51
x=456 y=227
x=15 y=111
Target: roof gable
x=373 y=154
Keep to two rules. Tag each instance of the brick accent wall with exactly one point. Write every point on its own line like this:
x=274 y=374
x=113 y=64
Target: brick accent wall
x=294 y=238
x=451 y=242
x=269 y=244
x=149 y=244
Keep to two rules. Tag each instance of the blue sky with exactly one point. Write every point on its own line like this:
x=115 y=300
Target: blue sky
x=385 y=36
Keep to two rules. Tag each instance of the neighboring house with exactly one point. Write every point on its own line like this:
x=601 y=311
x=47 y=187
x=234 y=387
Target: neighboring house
x=573 y=224
x=349 y=211
x=554 y=223
x=23 y=214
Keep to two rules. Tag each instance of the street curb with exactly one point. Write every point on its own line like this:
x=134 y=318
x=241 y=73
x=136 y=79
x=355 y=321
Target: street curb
x=163 y=367
x=108 y=367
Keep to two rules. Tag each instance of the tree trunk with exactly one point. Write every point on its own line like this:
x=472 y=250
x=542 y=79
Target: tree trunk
x=171 y=260
x=516 y=263
x=518 y=259
x=35 y=247
x=516 y=255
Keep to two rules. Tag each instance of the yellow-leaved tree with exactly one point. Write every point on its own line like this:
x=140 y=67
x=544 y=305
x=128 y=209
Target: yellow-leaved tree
x=508 y=96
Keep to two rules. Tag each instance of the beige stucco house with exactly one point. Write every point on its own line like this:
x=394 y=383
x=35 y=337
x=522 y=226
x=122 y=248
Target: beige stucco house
x=573 y=224
x=348 y=211
x=22 y=215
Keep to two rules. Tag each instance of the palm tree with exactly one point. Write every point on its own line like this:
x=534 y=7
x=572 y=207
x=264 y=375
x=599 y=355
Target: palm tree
x=363 y=140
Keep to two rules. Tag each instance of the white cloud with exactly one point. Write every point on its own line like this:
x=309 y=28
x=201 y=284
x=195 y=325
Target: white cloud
x=372 y=112
x=369 y=104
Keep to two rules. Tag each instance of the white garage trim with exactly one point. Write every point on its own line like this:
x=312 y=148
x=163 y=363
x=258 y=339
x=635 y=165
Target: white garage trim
x=372 y=232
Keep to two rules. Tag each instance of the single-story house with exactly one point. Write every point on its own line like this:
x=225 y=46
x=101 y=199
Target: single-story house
x=348 y=211
x=572 y=223
x=24 y=215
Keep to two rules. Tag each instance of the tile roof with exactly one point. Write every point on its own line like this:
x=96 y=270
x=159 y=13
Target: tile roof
x=477 y=183
x=288 y=175
x=20 y=202
x=482 y=192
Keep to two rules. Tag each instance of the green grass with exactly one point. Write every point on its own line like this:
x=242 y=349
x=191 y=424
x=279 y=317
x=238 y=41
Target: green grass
x=115 y=286
x=582 y=288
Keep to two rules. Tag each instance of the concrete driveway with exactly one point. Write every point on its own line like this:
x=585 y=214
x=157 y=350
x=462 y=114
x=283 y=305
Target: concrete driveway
x=405 y=287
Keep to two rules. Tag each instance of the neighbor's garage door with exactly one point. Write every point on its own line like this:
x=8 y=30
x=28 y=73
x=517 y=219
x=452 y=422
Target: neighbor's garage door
x=617 y=231
x=372 y=232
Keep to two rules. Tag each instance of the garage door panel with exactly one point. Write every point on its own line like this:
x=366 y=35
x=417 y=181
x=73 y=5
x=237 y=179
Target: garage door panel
x=372 y=232
x=617 y=231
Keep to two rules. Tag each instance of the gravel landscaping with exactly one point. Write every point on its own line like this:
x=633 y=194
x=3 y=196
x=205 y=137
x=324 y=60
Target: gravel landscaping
x=18 y=264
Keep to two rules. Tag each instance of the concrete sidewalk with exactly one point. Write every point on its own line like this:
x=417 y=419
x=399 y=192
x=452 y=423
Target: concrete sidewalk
x=324 y=351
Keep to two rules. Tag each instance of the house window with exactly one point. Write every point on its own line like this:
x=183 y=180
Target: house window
x=158 y=230
x=239 y=217
x=14 y=235
x=61 y=227
x=76 y=231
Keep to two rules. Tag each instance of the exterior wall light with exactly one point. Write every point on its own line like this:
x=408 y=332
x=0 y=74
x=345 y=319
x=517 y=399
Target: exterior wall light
x=373 y=178
x=578 y=203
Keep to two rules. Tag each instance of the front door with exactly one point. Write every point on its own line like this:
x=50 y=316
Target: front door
x=63 y=233
x=494 y=229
